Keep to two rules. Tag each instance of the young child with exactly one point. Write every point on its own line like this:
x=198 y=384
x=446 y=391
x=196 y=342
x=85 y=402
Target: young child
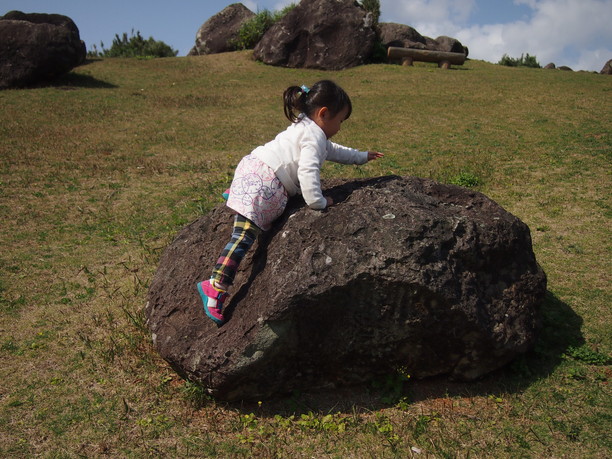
x=287 y=165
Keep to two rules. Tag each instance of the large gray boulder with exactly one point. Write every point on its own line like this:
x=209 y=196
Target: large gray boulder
x=607 y=68
x=37 y=48
x=400 y=272
x=320 y=34
x=217 y=34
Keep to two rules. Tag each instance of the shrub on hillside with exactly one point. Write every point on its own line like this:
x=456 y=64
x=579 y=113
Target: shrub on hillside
x=252 y=30
x=134 y=46
x=524 y=61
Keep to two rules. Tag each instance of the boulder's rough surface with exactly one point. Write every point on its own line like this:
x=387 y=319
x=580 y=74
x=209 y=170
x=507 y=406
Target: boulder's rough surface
x=400 y=35
x=607 y=68
x=401 y=272
x=448 y=45
x=216 y=34
x=321 y=34
x=37 y=48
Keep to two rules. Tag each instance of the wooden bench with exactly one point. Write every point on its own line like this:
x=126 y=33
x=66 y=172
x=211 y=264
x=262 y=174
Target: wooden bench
x=408 y=55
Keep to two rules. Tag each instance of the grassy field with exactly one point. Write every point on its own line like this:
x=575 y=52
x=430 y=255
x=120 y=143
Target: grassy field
x=99 y=171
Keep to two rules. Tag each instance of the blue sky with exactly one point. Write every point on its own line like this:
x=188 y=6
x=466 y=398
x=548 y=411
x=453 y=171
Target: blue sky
x=576 y=33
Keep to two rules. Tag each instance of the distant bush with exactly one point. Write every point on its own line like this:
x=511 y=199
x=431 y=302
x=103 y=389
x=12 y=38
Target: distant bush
x=252 y=30
x=524 y=61
x=134 y=46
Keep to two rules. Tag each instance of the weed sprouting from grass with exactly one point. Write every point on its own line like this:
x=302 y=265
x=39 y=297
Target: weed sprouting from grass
x=195 y=394
x=466 y=179
x=422 y=423
x=10 y=346
x=587 y=355
x=385 y=427
x=390 y=388
x=11 y=306
x=325 y=423
x=136 y=318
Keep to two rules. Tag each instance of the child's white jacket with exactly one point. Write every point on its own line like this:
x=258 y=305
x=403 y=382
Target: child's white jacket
x=297 y=154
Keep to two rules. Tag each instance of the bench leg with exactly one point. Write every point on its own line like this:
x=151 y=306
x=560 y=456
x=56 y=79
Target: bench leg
x=407 y=61
x=444 y=65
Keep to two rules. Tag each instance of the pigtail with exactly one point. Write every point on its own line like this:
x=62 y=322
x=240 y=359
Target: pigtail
x=294 y=99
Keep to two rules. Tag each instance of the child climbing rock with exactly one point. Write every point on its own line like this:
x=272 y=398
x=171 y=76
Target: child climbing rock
x=288 y=165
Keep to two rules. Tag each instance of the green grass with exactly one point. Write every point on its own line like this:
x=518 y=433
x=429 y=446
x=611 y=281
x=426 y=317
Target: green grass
x=99 y=171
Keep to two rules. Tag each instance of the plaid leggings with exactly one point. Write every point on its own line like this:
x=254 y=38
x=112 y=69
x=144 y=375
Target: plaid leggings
x=243 y=236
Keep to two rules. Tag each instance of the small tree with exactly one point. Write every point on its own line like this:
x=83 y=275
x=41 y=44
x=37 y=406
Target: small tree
x=372 y=6
x=134 y=46
x=524 y=61
x=379 y=53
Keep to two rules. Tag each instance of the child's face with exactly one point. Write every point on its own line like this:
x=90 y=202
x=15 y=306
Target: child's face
x=331 y=123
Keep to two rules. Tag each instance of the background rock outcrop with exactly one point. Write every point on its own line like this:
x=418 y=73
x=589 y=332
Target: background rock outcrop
x=449 y=45
x=217 y=34
x=400 y=35
x=401 y=272
x=320 y=34
x=403 y=36
x=37 y=48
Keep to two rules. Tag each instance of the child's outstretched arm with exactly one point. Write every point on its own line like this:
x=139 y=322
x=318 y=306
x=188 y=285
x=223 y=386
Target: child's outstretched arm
x=372 y=155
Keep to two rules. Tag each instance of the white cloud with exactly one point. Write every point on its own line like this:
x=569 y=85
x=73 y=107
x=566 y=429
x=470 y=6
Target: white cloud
x=575 y=33
x=566 y=32
x=430 y=11
x=594 y=59
x=278 y=6
x=530 y=3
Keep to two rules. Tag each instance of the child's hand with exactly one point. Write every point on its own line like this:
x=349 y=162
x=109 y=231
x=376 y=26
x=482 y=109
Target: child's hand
x=372 y=155
x=330 y=201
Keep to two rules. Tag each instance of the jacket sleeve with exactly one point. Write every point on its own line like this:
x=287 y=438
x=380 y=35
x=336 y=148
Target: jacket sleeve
x=309 y=174
x=345 y=155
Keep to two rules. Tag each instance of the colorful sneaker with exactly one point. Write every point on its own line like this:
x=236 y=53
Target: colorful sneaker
x=213 y=301
x=225 y=194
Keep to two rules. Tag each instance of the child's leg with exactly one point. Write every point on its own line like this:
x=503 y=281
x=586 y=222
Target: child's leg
x=243 y=236
x=213 y=291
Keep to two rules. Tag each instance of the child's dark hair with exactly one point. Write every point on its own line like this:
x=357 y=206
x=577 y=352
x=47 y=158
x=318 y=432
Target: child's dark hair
x=324 y=93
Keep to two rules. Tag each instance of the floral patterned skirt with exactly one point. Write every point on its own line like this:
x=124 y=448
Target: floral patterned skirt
x=256 y=193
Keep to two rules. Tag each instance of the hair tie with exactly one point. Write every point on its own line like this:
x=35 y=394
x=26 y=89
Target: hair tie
x=305 y=89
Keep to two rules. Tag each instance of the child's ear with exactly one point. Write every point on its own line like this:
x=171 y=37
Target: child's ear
x=323 y=112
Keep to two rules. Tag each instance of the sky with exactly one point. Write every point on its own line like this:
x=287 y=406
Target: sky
x=575 y=33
